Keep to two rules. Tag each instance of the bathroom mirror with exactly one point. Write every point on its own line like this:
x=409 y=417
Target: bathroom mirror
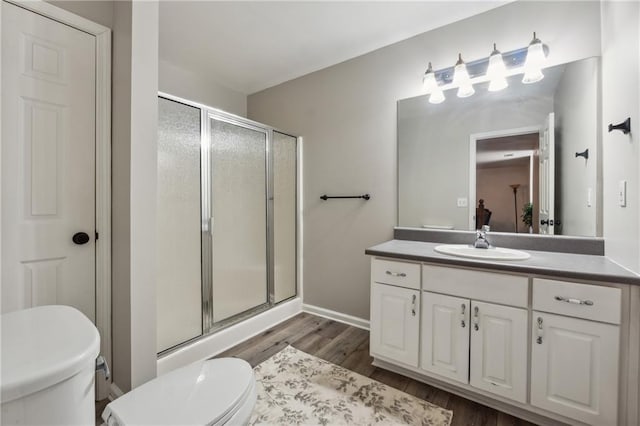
x=514 y=159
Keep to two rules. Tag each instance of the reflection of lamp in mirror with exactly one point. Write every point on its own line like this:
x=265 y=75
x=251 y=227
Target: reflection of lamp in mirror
x=496 y=72
x=534 y=62
x=462 y=80
x=430 y=86
x=515 y=187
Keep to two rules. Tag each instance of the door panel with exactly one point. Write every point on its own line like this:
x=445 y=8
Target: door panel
x=48 y=162
x=179 y=283
x=239 y=221
x=284 y=215
x=499 y=350
x=395 y=323
x=574 y=368
x=445 y=336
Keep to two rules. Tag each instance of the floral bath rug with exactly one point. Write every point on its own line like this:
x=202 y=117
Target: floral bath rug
x=297 y=388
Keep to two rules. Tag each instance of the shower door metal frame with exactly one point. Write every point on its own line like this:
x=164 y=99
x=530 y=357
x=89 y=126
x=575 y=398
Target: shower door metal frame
x=206 y=113
x=208 y=324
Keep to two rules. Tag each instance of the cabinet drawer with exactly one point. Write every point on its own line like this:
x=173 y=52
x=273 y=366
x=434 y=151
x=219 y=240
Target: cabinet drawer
x=402 y=274
x=504 y=289
x=577 y=300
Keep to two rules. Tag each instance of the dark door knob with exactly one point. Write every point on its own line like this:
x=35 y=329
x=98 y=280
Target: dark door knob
x=544 y=222
x=80 y=238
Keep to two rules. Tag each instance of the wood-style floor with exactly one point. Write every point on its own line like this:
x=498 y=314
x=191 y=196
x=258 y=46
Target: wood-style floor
x=348 y=347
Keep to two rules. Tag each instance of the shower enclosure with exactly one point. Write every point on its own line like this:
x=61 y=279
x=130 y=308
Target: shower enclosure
x=227 y=217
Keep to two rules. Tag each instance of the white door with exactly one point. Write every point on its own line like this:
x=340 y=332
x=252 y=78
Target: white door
x=48 y=163
x=395 y=323
x=574 y=368
x=445 y=336
x=547 y=175
x=499 y=350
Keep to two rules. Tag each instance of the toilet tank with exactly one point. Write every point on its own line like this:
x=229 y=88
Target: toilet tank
x=47 y=375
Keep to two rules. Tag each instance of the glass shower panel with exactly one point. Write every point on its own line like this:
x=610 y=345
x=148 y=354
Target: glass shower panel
x=179 y=289
x=284 y=215
x=238 y=223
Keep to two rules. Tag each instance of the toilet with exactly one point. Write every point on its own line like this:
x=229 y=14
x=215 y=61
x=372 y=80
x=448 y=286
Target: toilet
x=210 y=392
x=48 y=367
x=48 y=378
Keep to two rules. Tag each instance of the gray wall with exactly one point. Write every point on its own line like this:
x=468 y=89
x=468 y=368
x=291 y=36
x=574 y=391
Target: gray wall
x=621 y=153
x=576 y=113
x=347 y=116
x=199 y=87
x=99 y=11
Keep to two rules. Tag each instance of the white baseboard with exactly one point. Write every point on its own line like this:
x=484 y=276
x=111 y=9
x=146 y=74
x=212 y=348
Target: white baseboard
x=114 y=392
x=336 y=316
x=229 y=337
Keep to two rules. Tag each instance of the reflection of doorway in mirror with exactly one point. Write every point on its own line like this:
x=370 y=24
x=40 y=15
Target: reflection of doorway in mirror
x=503 y=159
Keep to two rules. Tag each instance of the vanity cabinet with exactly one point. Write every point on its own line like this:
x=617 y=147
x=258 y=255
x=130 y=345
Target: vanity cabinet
x=482 y=317
x=395 y=311
x=498 y=361
x=575 y=350
x=538 y=346
x=445 y=336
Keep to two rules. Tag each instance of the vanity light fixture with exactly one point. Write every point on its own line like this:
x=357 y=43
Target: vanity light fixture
x=430 y=86
x=496 y=72
x=462 y=80
x=534 y=62
x=495 y=69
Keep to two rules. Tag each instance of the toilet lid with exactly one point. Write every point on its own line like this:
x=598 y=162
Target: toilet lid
x=201 y=393
x=44 y=346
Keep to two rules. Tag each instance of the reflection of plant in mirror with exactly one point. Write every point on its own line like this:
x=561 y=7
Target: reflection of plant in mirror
x=527 y=214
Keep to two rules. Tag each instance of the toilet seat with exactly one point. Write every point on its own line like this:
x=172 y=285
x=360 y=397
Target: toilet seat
x=210 y=392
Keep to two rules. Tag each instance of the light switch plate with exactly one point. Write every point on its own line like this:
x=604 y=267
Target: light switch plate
x=463 y=202
x=622 y=193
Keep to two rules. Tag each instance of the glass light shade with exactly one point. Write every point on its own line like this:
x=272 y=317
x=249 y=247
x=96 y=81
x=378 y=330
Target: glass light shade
x=462 y=80
x=534 y=62
x=496 y=72
x=429 y=83
x=497 y=84
x=437 y=96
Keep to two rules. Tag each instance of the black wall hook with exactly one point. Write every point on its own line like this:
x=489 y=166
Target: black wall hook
x=625 y=126
x=584 y=154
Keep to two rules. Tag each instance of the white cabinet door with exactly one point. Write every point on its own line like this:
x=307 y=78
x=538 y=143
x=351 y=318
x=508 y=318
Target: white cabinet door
x=395 y=323
x=499 y=350
x=445 y=336
x=574 y=368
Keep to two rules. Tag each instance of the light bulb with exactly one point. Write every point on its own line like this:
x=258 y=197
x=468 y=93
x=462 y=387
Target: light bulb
x=429 y=83
x=496 y=72
x=462 y=80
x=437 y=96
x=534 y=62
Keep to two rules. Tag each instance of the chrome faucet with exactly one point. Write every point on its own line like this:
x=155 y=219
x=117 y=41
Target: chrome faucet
x=481 y=238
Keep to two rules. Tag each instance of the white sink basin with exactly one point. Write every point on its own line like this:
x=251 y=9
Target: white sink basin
x=492 y=253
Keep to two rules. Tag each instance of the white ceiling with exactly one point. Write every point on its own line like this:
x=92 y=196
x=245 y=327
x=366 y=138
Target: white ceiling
x=249 y=46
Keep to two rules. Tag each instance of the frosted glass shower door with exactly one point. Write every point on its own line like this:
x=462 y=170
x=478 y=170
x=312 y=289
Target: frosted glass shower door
x=179 y=287
x=284 y=215
x=238 y=218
